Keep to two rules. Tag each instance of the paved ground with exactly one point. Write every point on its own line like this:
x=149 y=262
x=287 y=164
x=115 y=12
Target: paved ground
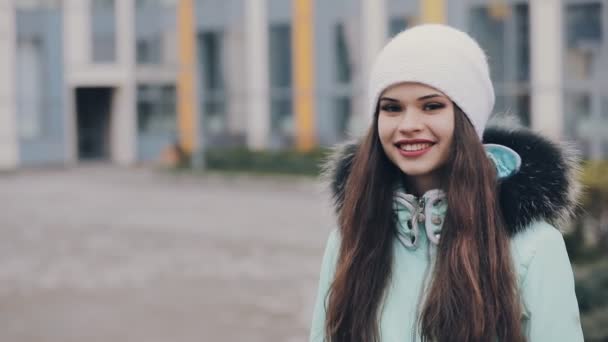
x=98 y=253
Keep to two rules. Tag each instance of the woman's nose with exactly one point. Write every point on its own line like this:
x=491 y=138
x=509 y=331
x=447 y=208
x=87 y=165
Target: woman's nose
x=411 y=121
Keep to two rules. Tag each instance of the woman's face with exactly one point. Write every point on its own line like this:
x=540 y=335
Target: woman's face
x=416 y=126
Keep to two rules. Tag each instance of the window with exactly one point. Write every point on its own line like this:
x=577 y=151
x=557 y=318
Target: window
x=341 y=92
x=103 y=21
x=585 y=91
x=504 y=34
x=156 y=109
x=343 y=64
x=30 y=78
x=342 y=112
x=583 y=40
x=211 y=45
x=38 y=67
x=396 y=25
x=155 y=31
x=280 y=56
x=213 y=92
x=38 y=4
x=578 y=110
x=522 y=41
x=281 y=107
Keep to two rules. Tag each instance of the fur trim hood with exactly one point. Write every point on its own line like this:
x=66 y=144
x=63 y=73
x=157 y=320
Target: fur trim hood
x=545 y=188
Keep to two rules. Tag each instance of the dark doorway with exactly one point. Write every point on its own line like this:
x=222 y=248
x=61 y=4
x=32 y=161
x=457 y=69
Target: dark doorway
x=93 y=108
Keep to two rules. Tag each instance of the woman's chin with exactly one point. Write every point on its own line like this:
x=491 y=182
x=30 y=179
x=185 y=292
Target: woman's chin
x=416 y=171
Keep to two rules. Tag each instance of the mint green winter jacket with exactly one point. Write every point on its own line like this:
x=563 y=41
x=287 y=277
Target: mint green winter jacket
x=537 y=187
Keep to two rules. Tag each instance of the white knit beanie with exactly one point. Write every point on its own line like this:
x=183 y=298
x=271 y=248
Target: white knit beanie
x=443 y=58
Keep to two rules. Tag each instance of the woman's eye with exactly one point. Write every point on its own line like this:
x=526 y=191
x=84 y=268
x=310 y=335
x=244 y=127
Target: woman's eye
x=391 y=108
x=433 y=106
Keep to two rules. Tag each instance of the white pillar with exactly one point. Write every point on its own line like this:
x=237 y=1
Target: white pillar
x=374 y=34
x=546 y=66
x=237 y=110
x=76 y=33
x=76 y=54
x=8 y=125
x=124 y=121
x=257 y=92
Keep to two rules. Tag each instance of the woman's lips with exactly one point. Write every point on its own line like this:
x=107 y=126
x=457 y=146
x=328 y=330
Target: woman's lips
x=413 y=154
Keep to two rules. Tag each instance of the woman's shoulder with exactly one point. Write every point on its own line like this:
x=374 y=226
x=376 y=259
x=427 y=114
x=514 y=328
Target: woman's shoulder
x=332 y=247
x=539 y=240
x=334 y=239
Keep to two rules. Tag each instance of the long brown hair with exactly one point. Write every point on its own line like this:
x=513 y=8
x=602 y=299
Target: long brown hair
x=473 y=293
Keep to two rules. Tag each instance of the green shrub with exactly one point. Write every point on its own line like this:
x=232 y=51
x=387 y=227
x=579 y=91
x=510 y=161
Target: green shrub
x=281 y=161
x=592 y=295
x=595 y=176
x=594 y=204
x=592 y=285
x=591 y=264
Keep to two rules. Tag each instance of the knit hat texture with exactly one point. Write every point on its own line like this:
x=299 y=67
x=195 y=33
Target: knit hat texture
x=441 y=57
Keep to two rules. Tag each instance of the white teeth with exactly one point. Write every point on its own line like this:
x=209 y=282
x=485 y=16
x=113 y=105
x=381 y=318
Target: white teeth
x=414 y=147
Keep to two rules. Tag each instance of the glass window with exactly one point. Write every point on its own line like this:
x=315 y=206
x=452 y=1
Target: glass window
x=280 y=55
x=280 y=81
x=342 y=110
x=396 y=25
x=213 y=92
x=578 y=118
x=103 y=21
x=215 y=119
x=490 y=33
x=156 y=109
x=211 y=60
x=343 y=65
x=30 y=78
x=583 y=40
x=522 y=40
x=155 y=30
x=586 y=116
x=503 y=32
x=517 y=104
x=37 y=67
x=523 y=108
x=37 y=4
x=603 y=123
x=281 y=115
x=341 y=91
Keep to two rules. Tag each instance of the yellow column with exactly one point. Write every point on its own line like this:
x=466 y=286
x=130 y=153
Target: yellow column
x=432 y=11
x=187 y=104
x=303 y=74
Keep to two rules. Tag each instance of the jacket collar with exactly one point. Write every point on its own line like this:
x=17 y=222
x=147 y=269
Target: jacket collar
x=416 y=217
x=545 y=186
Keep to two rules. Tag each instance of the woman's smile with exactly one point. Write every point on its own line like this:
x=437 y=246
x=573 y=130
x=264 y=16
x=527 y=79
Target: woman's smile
x=414 y=147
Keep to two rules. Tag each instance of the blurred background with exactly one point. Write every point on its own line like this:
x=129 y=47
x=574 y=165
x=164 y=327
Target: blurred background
x=159 y=159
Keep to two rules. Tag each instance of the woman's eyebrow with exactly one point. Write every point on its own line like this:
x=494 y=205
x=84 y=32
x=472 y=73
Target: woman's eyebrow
x=388 y=99
x=426 y=97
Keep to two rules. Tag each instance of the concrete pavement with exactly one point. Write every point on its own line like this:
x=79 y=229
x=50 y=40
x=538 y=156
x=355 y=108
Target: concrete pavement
x=101 y=253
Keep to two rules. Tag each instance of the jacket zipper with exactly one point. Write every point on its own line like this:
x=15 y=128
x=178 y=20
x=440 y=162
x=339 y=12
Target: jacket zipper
x=427 y=273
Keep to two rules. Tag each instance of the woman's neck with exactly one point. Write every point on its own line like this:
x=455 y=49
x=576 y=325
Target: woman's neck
x=418 y=185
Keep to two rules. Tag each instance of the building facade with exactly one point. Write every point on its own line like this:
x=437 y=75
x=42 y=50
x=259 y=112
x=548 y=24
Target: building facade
x=123 y=80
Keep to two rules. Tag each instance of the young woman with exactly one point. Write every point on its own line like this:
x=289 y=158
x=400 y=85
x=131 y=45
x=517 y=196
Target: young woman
x=446 y=227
